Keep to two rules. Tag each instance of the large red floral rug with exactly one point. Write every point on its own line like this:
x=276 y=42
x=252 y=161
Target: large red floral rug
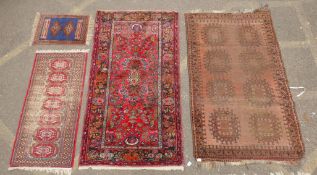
x=46 y=134
x=241 y=104
x=133 y=114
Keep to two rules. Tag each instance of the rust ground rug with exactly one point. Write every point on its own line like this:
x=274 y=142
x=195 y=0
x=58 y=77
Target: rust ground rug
x=46 y=134
x=133 y=116
x=240 y=101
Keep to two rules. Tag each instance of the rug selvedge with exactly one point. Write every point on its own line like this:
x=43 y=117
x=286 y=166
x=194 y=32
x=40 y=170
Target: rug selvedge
x=133 y=113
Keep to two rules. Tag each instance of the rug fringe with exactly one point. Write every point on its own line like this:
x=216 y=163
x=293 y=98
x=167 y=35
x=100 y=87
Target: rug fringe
x=217 y=164
x=263 y=7
x=90 y=30
x=35 y=23
x=57 y=171
x=62 y=51
x=162 y=168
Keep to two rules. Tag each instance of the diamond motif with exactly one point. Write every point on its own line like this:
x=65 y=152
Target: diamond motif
x=56 y=27
x=69 y=28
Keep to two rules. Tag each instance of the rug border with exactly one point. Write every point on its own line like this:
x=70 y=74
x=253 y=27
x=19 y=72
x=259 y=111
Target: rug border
x=35 y=34
x=264 y=9
x=37 y=52
x=177 y=60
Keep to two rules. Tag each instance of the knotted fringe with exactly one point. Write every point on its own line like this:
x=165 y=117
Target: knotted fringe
x=63 y=51
x=263 y=7
x=103 y=167
x=35 y=23
x=57 y=171
x=217 y=164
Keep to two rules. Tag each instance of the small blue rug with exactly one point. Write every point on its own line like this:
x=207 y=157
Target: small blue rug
x=61 y=29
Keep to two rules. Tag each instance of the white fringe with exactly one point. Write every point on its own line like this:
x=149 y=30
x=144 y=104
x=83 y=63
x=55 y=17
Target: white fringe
x=151 y=10
x=228 y=11
x=214 y=164
x=35 y=23
x=57 y=171
x=63 y=51
x=90 y=30
x=104 y=167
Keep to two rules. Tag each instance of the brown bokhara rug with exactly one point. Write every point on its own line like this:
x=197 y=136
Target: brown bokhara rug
x=133 y=114
x=46 y=134
x=240 y=100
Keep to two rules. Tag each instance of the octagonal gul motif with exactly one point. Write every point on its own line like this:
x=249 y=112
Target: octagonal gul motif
x=217 y=61
x=253 y=62
x=220 y=90
x=258 y=92
x=60 y=64
x=43 y=150
x=47 y=134
x=50 y=118
x=55 y=90
x=265 y=127
x=53 y=104
x=213 y=35
x=248 y=36
x=224 y=126
x=57 y=77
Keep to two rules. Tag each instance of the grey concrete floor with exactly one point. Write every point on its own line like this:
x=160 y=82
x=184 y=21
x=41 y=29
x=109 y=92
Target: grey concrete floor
x=295 y=22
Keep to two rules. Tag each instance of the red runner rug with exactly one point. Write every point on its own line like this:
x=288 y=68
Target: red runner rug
x=241 y=104
x=133 y=114
x=46 y=134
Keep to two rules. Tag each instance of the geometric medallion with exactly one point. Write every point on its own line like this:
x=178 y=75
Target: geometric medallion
x=253 y=62
x=248 y=36
x=47 y=134
x=258 y=92
x=43 y=150
x=265 y=127
x=225 y=126
x=217 y=61
x=220 y=90
x=213 y=35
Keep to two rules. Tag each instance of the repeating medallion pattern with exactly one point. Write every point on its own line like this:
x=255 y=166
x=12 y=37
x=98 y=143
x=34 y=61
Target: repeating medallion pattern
x=46 y=134
x=241 y=105
x=133 y=114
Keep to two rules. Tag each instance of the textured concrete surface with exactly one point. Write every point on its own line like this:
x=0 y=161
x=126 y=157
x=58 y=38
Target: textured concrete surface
x=296 y=26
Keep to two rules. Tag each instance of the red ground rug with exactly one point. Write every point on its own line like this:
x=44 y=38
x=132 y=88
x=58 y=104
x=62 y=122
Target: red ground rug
x=46 y=134
x=133 y=114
